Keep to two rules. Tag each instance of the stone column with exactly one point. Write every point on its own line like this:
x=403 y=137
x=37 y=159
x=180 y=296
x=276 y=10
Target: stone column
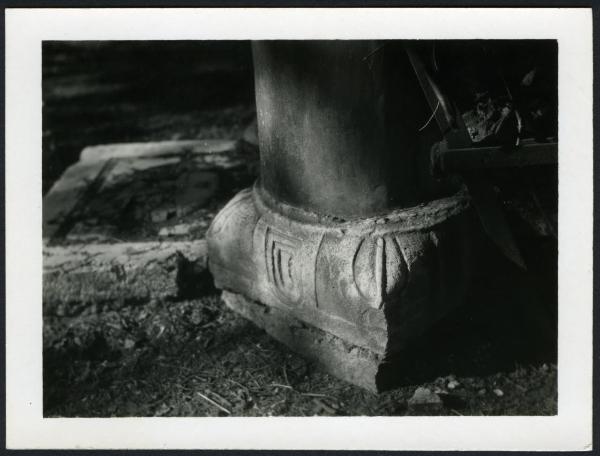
x=335 y=251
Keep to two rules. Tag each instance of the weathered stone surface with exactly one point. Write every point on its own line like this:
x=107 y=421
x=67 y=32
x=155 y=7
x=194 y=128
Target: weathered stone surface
x=72 y=188
x=335 y=355
x=374 y=283
x=143 y=270
x=157 y=149
x=175 y=230
x=138 y=188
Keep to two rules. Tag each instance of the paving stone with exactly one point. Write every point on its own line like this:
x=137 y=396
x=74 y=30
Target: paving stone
x=157 y=149
x=122 y=271
x=73 y=186
x=124 y=191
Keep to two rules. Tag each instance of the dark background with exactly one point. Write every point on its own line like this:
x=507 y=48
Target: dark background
x=111 y=91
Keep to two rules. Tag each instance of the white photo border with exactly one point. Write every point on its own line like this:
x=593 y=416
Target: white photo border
x=25 y=29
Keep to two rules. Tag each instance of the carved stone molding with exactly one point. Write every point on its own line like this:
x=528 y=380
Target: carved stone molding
x=372 y=282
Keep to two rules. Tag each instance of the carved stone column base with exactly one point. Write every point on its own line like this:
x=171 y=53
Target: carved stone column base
x=347 y=294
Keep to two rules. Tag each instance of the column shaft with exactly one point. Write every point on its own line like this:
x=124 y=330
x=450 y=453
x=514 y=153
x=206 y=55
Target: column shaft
x=337 y=125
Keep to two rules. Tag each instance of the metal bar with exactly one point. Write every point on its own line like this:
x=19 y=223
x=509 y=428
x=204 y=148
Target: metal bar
x=532 y=154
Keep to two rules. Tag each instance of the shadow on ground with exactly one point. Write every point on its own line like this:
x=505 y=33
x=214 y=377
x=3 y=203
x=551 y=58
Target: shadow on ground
x=510 y=320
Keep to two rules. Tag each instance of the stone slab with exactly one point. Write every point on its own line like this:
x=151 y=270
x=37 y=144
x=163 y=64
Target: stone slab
x=132 y=191
x=68 y=192
x=349 y=362
x=157 y=149
x=122 y=271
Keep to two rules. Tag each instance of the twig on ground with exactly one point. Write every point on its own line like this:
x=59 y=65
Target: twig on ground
x=282 y=386
x=221 y=398
x=315 y=395
x=287 y=382
x=274 y=404
x=238 y=384
x=210 y=401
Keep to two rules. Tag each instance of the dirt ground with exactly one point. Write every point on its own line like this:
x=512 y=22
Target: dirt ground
x=180 y=358
x=198 y=358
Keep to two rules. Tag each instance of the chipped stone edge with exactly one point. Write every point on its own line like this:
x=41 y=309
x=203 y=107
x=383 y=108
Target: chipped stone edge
x=383 y=281
x=121 y=271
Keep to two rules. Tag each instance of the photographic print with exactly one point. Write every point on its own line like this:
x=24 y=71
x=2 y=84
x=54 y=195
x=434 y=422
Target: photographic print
x=318 y=227
x=404 y=212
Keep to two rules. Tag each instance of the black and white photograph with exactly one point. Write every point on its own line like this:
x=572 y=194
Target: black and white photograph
x=291 y=227
x=305 y=227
